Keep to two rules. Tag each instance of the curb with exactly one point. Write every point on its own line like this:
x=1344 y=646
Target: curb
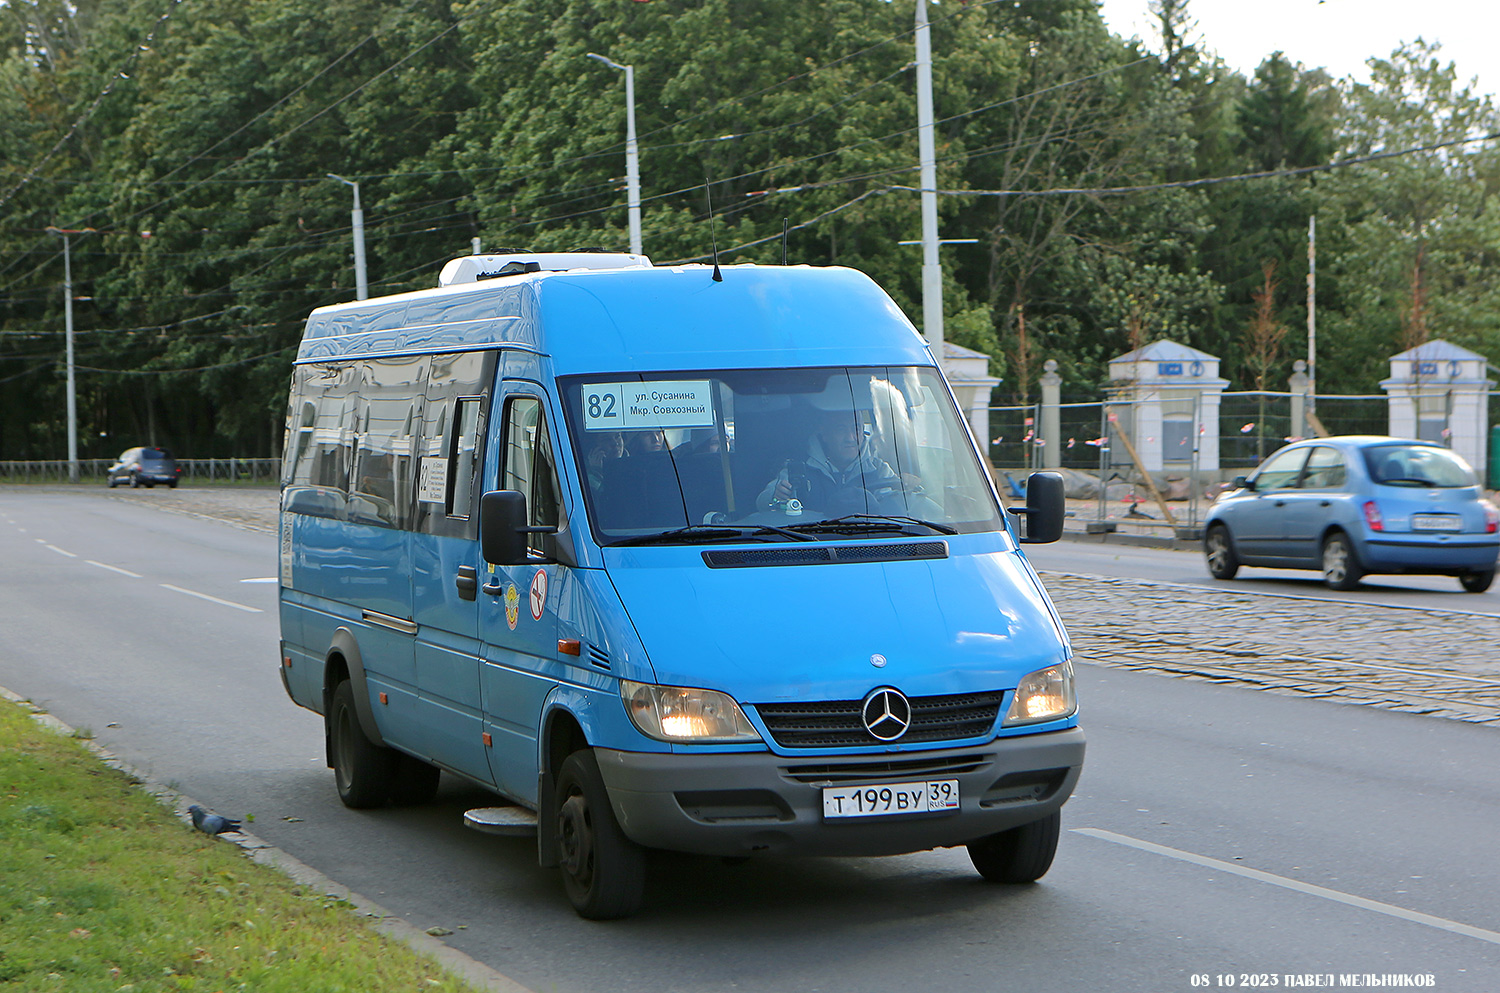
x=377 y=917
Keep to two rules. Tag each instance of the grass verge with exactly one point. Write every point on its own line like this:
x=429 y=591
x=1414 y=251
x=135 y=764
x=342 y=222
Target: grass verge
x=103 y=889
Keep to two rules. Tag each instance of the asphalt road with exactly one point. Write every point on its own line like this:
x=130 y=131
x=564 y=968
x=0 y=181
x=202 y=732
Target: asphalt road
x=1217 y=831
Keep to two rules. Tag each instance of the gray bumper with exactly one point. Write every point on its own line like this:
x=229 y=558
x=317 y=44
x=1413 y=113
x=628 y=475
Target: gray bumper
x=739 y=803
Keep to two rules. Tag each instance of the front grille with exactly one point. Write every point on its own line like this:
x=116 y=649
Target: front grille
x=837 y=723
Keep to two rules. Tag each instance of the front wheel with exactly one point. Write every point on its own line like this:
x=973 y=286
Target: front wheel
x=1020 y=855
x=362 y=769
x=604 y=872
x=1217 y=548
x=1341 y=569
x=1477 y=582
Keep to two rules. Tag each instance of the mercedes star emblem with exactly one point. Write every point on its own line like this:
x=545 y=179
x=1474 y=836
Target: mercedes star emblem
x=887 y=713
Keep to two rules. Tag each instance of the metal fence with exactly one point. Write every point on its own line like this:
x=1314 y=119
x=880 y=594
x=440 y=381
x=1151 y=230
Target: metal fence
x=248 y=471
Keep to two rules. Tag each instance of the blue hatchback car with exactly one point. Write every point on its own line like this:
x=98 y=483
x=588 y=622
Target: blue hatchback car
x=1356 y=505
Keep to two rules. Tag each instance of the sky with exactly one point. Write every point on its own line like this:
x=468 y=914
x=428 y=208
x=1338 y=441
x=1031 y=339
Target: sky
x=1338 y=35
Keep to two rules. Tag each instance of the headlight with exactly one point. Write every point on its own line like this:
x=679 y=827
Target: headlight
x=677 y=713
x=1044 y=695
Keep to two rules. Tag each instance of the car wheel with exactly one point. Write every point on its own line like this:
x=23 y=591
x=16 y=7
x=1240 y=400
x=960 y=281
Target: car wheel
x=1219 y=550
x=1341 y=569
x=362 y=769
x=110 y=481
x=173 y=484
x=135 y=482
x=604 y=872
x=1020 y=855
x=1477 y=582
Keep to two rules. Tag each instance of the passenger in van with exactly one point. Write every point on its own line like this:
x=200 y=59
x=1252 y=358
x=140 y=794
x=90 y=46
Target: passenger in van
x=645 y=442
x=704 y=441
x=602 y=446
x=841 y=473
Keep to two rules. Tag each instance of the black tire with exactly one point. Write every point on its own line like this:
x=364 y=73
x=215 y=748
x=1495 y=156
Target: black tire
x=362 y=770
x=172 y=484
x=1341 y=569
x=135 y=482
x=604 y=872
x=1218 y=549
x=1020 y=855
x=1477 y=582
x=414 y=782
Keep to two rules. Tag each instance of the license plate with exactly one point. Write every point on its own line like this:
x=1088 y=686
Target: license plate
x=890 y=799
x=1436 y=522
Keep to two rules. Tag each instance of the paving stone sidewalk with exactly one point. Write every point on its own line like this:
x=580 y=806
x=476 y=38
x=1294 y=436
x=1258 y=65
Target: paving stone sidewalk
x=1437 y=662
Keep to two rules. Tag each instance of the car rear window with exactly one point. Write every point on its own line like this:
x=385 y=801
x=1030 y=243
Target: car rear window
x=155 y=453
x=1418 y=465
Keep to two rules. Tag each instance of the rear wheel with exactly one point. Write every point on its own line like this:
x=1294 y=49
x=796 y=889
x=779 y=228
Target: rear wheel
x=1219 y=550
x=1020 y=855
x=1341 y=569
x=362 y=769
x=604 y=872
x=1477 y=582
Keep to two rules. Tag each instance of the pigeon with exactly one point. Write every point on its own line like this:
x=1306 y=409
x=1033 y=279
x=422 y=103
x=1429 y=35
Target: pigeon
x=212 y=823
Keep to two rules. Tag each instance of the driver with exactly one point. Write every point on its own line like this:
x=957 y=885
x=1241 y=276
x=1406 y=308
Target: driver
x=841 y=474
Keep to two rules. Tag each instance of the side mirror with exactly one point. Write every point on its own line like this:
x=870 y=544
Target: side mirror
x=1241 y=483
x=502 y=527
x=1046 y=506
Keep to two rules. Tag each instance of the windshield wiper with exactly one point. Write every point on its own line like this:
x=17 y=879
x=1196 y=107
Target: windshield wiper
x=710 y=532
x=870 y=523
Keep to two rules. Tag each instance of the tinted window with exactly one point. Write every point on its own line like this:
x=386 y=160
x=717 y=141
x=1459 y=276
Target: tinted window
x=1417 y=466
x=529 y=464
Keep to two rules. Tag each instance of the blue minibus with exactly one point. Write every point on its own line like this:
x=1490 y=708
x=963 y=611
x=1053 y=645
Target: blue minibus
x=668 y=557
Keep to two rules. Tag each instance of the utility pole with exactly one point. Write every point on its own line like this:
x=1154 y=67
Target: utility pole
x=1312 y=312
x=68 y=326
x=357 y=217
x=632 y=152
x=932 y=271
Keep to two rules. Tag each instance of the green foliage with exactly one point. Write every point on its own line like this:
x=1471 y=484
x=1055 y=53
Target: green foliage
x=195 y=140
x=101 y=889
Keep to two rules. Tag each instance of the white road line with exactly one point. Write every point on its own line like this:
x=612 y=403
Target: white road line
x=62 y=552
x=1390 y=910
x=114 y=568
x=212 y=599
x=267 y=579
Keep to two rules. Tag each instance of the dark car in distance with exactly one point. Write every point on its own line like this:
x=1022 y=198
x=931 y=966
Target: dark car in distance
x=1350 y=506
x=144 y=467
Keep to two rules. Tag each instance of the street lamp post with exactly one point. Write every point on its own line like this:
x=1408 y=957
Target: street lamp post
x=361 y=285
x=63 y=233
x=932 y=271
x=632 y=152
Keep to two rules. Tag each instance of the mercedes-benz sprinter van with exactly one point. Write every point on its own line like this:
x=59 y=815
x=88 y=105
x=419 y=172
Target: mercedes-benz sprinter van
x=669 y=557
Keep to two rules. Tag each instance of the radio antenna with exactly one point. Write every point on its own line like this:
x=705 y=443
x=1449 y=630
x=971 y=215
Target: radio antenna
x=713 y=238
x=783 y=241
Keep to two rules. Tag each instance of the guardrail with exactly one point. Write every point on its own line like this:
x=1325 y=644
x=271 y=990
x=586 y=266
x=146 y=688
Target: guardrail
x=250 y=471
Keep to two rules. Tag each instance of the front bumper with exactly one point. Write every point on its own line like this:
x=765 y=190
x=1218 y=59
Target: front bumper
x=743 y=803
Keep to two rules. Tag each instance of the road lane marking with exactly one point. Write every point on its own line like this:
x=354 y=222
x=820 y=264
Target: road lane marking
x=61 y=551
x=1390 y=910
x=114 y=568
x=212 y=599
x=266 y=579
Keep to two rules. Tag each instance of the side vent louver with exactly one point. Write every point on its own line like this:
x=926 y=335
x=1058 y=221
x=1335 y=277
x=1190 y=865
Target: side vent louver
x=599 y=657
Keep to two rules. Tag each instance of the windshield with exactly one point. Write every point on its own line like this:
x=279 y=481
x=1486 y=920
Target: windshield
x=774 y=454
x=1418 y=465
